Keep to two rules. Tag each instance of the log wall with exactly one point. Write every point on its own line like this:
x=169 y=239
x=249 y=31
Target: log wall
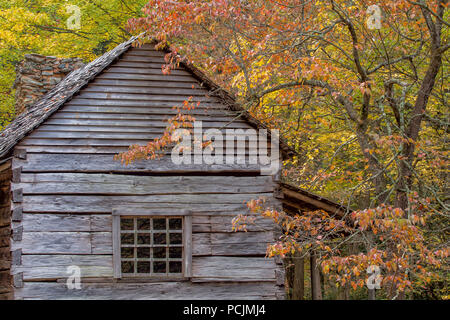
x=66 y=185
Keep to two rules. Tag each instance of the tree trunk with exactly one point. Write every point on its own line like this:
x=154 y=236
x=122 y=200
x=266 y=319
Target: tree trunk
x=298 y=287
x=316 y=288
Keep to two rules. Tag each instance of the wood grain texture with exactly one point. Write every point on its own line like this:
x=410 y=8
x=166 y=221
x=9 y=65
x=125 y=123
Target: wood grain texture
x=104 y=204
x=149 y=291
x=79 y=183
x=64 y=243
x=105 y=163
x=222 y=269
x=71 y=186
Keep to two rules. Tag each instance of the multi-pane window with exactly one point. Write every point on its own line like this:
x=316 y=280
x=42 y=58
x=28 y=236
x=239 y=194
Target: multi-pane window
x=151 y=246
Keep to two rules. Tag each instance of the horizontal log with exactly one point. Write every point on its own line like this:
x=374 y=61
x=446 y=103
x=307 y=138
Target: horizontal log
x=105 y=163
x=140 y=103
x=147 y=83
x=129 y=57
x=140 y=123
x=222 y=269
x=162 y=111
x=169 y=78
x=146 y=97
x=134 y=64
x=149 y=291
x=53 y=267
x=33 y=222
x=224 y=224
x=148 y=90
x=105 y=114
x=231 y=244
x=143 y=69
x=73 y=183
x=110 y=151
x=63 y=243
x=144 y=53
x=104 y=204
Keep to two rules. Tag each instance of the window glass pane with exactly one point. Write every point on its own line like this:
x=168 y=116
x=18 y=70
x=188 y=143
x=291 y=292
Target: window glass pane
x=143 y=252
x=159 y=224
x=159 y=267
x=175 y=252
x=159 y=238
x=175 y=266
x=159 y=253
x=143 y=224
x=143 y=267
x=127 y=267
x=127 y=238
x=143 y=238
x=175 y=224
x=127 y=252
x=126 y=224
x=176 y=238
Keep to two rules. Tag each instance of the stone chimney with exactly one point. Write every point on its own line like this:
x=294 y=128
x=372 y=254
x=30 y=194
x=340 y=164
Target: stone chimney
x=37 y=74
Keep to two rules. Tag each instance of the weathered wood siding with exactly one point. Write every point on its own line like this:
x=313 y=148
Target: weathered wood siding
x=67 y=185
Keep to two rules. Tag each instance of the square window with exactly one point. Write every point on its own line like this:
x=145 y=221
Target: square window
x=150 y=246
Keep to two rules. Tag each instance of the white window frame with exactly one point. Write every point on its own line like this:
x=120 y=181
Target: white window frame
x=167 y=213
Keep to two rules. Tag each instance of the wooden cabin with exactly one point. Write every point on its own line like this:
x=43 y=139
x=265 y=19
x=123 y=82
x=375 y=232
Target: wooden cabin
x=149 y=230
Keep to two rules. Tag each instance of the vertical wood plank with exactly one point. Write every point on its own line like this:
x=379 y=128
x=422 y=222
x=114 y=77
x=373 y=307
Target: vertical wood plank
x=16 y=257
x=18 y=280
x=17 y=214
x=116 y=246
x=16 y=172
x=17 y=233
x=17 y=195
x=188 y=246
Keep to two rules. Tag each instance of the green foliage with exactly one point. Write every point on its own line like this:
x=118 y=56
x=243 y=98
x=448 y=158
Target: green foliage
x=40 y=26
